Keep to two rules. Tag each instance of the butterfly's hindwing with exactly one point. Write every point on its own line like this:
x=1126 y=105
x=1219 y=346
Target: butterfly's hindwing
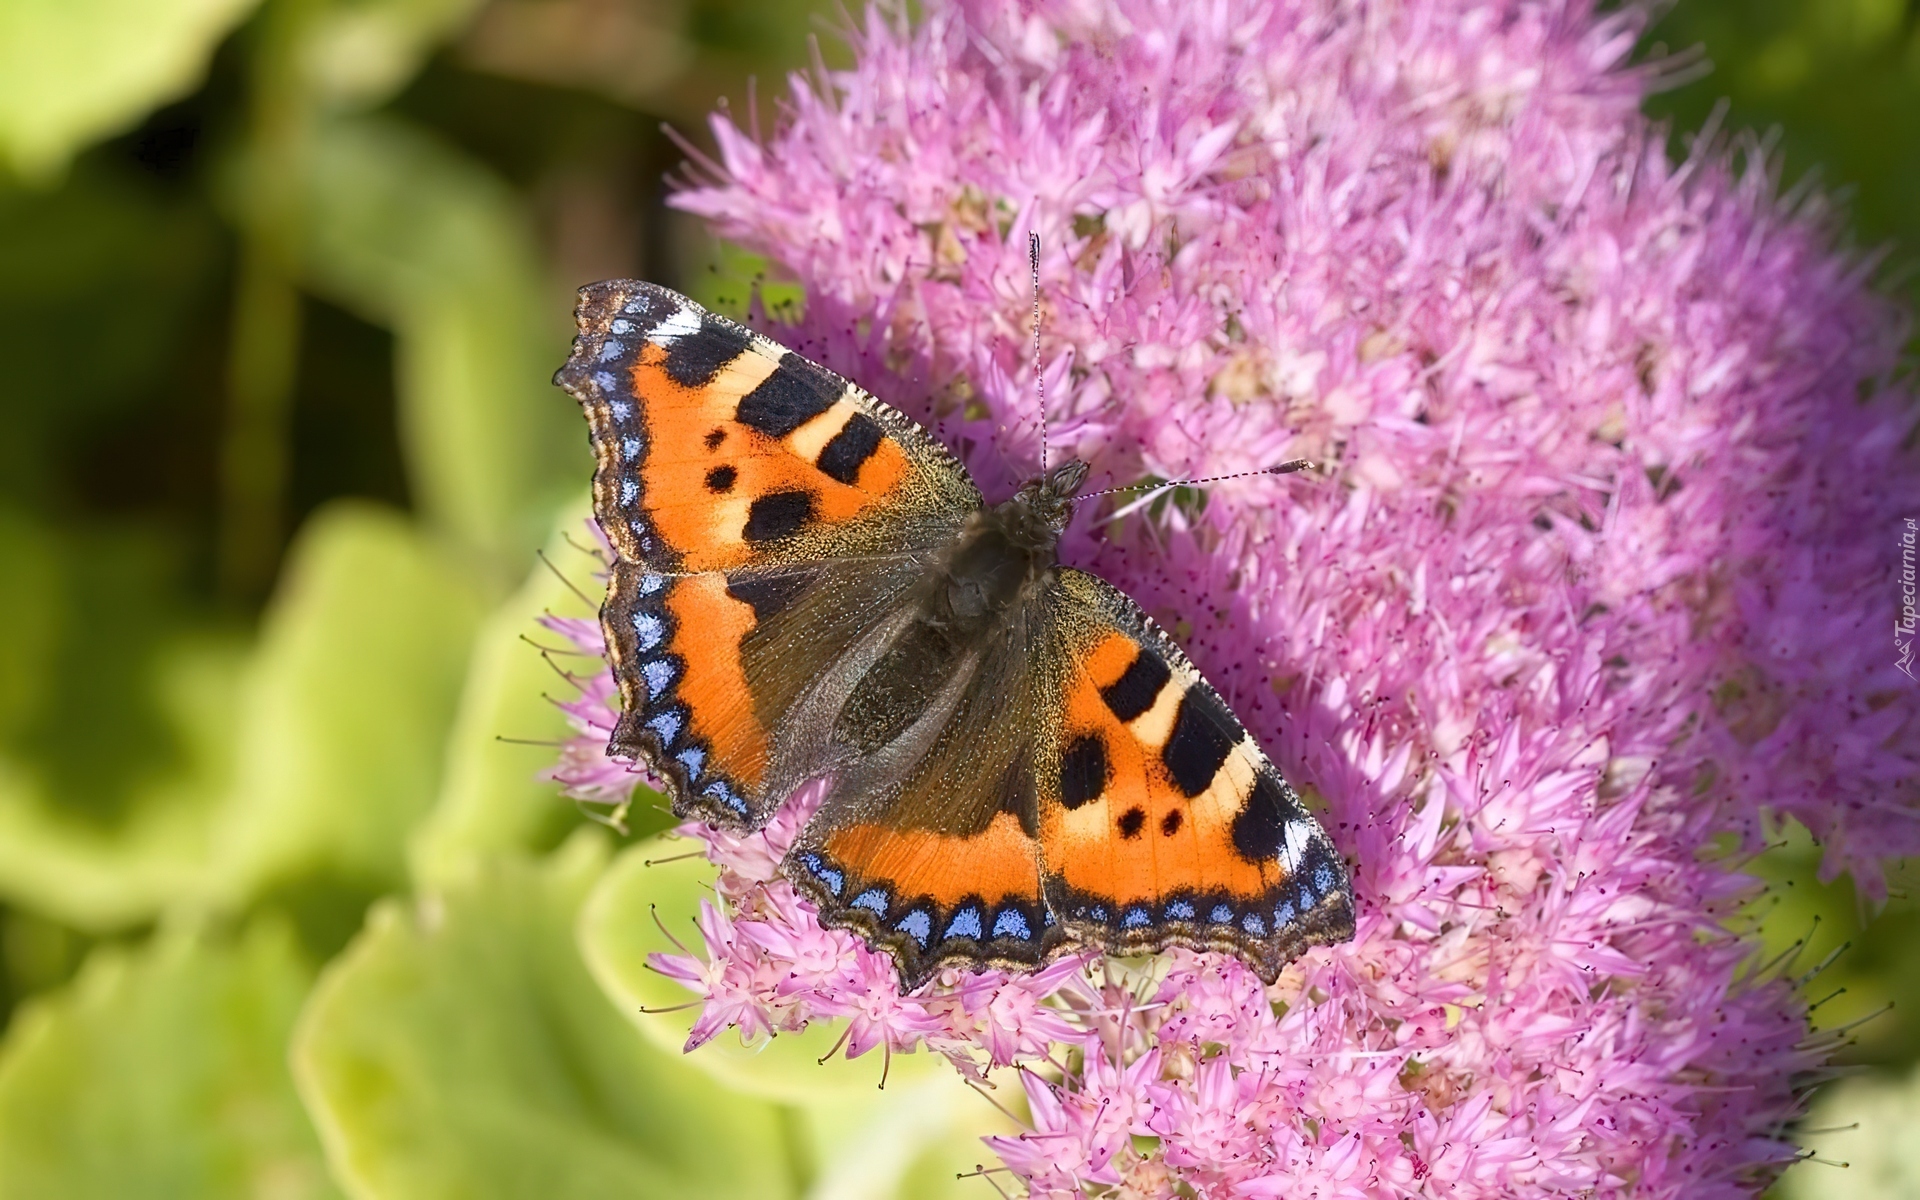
x=925 y=844
x=1161 y=820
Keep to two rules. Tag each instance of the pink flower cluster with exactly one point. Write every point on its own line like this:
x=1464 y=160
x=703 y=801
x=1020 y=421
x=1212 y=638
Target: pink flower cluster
x=1596 y=573
x=769 y=968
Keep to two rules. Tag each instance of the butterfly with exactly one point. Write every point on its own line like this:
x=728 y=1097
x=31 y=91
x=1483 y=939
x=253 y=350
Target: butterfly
x=807 y=586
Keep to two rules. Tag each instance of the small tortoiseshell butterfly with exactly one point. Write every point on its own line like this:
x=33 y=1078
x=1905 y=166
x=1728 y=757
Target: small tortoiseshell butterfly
x=807 y=585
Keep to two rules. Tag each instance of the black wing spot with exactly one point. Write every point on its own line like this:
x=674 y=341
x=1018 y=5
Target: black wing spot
x=1136 y=690
x=720 y=480
x=1261 y=824
x=843 y=457
x=778 y=515
x=694 y=359
x=1083 y=770
x=715 y=437
x=1203 y=734
x=1170 y=824
x=768 y=594
x=1017 y=795
x=796 y=392
x=1131 y=822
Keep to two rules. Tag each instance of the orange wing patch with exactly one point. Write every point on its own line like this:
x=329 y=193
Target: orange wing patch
x=759 y=452
x=1125 y=826
x=996 y=864
x=710 y=625
x=686 y=707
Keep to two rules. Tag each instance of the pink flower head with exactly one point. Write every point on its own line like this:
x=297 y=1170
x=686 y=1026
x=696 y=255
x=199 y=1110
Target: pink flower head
x=1012 y=1019
x=725 y=978
x=880 y=1014
x=1594 y=572
x=1073 y=1143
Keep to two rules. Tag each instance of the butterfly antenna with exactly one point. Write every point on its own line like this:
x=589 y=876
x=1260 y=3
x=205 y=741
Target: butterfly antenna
x=1039 y=382
x=1285 y=468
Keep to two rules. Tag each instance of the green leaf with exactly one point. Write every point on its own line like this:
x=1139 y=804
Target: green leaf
x=1838 y=82
x=910 y=1139
x=913 y=1141
x=319 y=755
x=347 y=709
x=73 y=71
x=31 y=615
x=619 y=929
x=162 y=1073
x=1866 y=959
x=733 y=275
x=105 y=877
x=410 y=233
x=494 y=799
x=459 y=1048
x=360 y=52
x=1861 y=1136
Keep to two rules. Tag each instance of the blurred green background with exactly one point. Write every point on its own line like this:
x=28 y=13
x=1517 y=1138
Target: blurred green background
x=281 y=286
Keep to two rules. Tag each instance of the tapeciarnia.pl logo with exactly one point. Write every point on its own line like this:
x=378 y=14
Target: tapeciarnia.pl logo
x=1903 y=625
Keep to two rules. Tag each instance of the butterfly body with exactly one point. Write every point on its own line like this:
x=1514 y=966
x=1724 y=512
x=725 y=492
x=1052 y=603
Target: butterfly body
x=808 y=587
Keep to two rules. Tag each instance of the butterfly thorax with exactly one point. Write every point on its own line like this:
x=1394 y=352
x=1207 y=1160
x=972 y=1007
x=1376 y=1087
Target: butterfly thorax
x=1003 y=552
x=973 y=594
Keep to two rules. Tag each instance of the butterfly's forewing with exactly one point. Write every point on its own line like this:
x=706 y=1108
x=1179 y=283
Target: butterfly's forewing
x=1160 y=820
x=733 y=478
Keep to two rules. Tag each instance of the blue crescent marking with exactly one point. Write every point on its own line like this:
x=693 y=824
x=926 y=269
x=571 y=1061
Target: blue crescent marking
x=1283 y=915
x=726 y=795
x=916 y=925
x=648 y=629
x=649 y=584
x=824 y=873
x=1323 y=877
x=965 y=923
x=1135 y=918
x=611 y=349
x=1012 y=923
x=659 y=675
x=1221 y=914
x=621 y=325
x=1180 y=910
x=667 y=725
x=693 y=759
x=874 y=900
x=1254 y=924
